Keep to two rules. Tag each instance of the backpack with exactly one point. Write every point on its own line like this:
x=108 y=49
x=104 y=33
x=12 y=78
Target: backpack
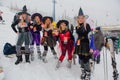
x=9 y=49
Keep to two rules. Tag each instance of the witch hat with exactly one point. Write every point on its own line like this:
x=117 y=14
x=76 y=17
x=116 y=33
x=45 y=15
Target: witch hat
x=81 y=13
x=24 y=11
x=62 y=21
x=24 y=8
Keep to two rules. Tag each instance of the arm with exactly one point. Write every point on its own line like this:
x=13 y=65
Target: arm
x=14 y=24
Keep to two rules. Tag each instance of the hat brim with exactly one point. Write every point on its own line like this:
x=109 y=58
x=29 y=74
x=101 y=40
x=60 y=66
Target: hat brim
x=62 y=21
x=86 y=16
x=20 y=13
x=36 y=14
x=47 y=17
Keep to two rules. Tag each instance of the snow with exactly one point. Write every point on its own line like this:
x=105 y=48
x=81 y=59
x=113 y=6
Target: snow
x=38 y=70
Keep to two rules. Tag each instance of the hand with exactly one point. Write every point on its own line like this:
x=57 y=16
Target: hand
x=91 y=51
x=31 y=27
x=17 y=32
x=78 y=42
x=56 y=32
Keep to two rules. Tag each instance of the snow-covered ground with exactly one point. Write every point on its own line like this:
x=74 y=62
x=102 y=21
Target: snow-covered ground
x=38 y=70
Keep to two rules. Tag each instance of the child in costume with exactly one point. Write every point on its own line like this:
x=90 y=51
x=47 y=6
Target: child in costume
x=82 y=46
x=23 y=35
x=48 y=39
x=66 y=41
x=35 y=29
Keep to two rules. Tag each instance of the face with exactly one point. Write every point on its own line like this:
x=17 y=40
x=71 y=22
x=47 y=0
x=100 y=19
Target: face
x=81 y=19
x=37 y=19
x=63 y=26
x=96 y=30
x=24 y=16
x=48 y=21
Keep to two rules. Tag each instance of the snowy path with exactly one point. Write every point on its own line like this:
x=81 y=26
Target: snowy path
x=37 y=70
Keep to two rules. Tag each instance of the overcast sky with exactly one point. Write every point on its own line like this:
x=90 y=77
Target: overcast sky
x=104 y=11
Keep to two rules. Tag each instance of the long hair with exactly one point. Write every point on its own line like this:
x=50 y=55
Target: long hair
x=66 y=29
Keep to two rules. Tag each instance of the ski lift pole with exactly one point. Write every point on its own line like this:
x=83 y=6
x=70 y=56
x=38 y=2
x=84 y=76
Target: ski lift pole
x=106 y=64
x=54 y=6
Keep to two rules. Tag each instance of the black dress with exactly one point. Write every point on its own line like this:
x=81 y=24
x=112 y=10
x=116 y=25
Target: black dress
x=83 y=49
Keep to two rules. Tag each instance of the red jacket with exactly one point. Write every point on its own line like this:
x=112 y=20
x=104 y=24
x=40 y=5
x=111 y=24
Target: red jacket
x=65 y=35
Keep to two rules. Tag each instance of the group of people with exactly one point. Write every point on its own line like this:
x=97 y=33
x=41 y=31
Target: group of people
x=30 y=27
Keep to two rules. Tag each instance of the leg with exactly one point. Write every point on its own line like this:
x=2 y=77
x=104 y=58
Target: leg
x=32 y=46
x=54 y=52
x=45 y=54
x=87 y=67
x=37 y=40
x=70 y=51
x=18 y=48
x=98 y=59
x=27 y=49
x=63 y=49
x=83 y=75
x=1 y=18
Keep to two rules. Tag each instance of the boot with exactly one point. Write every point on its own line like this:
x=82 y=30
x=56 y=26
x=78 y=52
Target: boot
x=55 y=54
x=58 y=64
x=87 y=75
x=83 y=75
x=39 y=55
x=39 y=52
x=27 y=58
x=32 y=57
x=19 y=60
x=44 y=57
x=115 y=74
x=32 y=52
x=69 y=63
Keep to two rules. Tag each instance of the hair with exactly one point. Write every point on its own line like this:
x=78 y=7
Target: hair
x=61 y=29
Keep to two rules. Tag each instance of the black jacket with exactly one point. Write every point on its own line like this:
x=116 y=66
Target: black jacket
x=19 y=29
x=83 y=32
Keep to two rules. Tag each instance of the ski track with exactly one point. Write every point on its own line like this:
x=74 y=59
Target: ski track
x=38 y=70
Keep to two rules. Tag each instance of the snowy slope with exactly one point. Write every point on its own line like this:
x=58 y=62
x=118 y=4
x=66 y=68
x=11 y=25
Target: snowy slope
x=37 y=70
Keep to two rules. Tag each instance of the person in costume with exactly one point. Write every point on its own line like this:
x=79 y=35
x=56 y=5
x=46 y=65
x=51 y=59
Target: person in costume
x=35 y=28
x=23 y=35
x=66 y=41
x=1 y=15
x=82 y=44
x=48 y=39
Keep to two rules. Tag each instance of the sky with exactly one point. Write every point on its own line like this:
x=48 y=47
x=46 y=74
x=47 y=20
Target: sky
x=104 y=12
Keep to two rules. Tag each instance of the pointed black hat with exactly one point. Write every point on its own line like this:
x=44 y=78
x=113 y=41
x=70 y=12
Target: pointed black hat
x=81 y=13
x=24 y=8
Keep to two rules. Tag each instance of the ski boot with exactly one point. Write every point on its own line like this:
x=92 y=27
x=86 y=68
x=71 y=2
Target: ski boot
x=32 y=57
x=55 y=54
x=83 y=75
x=69 y=63
x=19 y=60
x=39 y=52
x=32 y=53
x=39 y=55
x=115 y=75
x=58 y=64
x=27 y=58
x=87 y=76
x=44 y=57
